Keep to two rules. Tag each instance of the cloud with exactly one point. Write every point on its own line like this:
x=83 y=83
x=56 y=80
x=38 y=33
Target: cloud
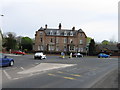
x=95 y=17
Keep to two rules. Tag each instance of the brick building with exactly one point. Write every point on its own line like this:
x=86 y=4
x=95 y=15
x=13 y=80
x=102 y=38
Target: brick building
x=60 y=40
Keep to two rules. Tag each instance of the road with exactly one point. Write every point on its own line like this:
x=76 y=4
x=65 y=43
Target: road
x=55 y=72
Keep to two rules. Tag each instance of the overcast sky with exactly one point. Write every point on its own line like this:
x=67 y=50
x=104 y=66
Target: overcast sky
x=97 y=18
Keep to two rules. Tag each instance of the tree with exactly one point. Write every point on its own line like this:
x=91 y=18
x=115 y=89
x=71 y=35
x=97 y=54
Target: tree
x=105 y=42
x=18 y=39
x=26 y=43
x=9 y=40
x=92 y=47
x=118 y=45
x=88 y=40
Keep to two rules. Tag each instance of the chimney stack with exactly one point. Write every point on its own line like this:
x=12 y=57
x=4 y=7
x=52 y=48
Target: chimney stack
x=45 y=26
x=73 y=28
x=60 y=26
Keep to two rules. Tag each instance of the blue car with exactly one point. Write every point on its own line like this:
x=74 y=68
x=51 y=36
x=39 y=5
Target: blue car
x=5 y=61
x=103 y=55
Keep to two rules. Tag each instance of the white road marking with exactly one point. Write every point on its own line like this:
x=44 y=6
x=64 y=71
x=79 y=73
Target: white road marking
x=9 y=68
x=45 y=67
x=8 y=76
x=22 y=68
x=37 y=63
x=71 y=69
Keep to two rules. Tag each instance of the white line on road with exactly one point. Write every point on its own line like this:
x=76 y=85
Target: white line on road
x=71 y=69
x=22 y=68
x=8 y=76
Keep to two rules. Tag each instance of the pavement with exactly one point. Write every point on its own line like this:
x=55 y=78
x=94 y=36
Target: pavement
x=110 y=80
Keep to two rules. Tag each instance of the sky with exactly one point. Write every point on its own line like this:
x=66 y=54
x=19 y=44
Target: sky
x=97 y=18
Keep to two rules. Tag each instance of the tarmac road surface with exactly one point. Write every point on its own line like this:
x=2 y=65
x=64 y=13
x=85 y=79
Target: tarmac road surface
x=54 y=72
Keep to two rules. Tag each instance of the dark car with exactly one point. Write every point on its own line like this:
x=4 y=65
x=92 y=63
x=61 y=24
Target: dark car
x=103 y=55
x=5 y=61
x=77 y=55
x=18 y=52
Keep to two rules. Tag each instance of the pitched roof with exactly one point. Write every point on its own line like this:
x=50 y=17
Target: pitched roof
x=61 y=32
x=110 y=47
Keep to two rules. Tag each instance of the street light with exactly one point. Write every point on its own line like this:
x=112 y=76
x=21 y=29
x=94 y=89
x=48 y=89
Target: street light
x=1 y=15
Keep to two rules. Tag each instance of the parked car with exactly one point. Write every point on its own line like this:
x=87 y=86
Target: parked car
x=77 y=55
x=103 y=55
x=5 y=61
x=18 y=52
x=39 y=55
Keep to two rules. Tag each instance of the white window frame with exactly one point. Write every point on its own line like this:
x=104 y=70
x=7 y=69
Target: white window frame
x=71 y=40
x=71 y=33
x=57 y=48
x=65 y=33
x=51 y=48
x=81 y=49
x=58 y=33
x=41 y=47
x=65 y=40
x=65 y=48
x=81 y=41
x=71 y=49
x=51 y=32
x=38 y=47
x=57 y=40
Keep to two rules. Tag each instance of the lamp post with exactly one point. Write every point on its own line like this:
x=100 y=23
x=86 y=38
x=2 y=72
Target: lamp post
x=1 y=37
x=1 y=15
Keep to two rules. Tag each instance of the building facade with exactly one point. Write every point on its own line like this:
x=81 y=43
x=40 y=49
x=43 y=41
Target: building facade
x=60 y=40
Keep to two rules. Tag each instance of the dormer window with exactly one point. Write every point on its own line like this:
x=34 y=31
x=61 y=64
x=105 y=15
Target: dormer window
x=57 y=33
x=71 y=33
x=51 y=32
x=65 y=33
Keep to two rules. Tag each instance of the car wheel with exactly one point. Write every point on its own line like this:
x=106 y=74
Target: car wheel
x=11 y=63
x=34 y=57
x=98 y=56
x=41 y=58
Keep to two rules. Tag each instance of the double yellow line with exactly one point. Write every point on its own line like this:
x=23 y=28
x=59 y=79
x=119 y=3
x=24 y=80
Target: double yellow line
x=71 y=78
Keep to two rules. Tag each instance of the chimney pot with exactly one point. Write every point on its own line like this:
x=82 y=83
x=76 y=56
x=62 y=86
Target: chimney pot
x=45 y=26
x=73 y=28
x=60 y=25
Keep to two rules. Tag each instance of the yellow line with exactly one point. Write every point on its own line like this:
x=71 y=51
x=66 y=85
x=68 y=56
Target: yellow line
x=60 y=72
x=75 y=75
x=70 y=74
x=69 y=78
x=51 y=74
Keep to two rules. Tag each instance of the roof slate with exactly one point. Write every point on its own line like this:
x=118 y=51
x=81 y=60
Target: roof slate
x=110 y=47
x=61 y=31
